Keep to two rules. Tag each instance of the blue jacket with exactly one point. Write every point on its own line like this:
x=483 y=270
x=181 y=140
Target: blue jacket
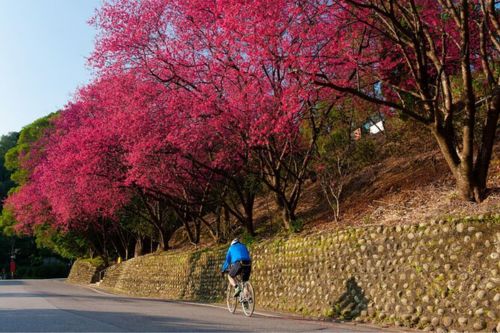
x=236 y=253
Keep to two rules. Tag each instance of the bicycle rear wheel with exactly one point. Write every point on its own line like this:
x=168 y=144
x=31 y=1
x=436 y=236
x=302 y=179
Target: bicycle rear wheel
x=230 y=299
x=248 y=299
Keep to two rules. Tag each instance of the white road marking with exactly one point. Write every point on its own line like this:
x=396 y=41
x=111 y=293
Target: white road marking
x=179 y=302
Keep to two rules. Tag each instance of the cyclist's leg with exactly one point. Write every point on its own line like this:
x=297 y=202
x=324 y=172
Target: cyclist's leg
x=245 y=273
x=245 y=276
x=232 y=280
x=233 y=273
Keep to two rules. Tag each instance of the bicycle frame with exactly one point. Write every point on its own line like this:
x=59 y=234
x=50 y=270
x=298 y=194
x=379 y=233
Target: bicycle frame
x=246 y=297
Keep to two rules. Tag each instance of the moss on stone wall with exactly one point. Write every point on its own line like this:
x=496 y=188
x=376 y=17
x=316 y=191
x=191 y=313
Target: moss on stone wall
x=439 y=276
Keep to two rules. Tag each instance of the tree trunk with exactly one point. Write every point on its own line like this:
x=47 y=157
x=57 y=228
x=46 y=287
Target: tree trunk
x=466 y=186
x=249 y=203
x=288 y=216
x=227 y=224
x=197 y=230
x=218 y=225
x=163 y=241
x=138 y=247
x=249 y=225
x=482 y=164
x=279 y=201
x=461 y=167
x=184 y=219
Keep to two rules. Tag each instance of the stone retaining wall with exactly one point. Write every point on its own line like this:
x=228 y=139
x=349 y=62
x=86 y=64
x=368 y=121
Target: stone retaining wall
x=441 y=276
x=82 y=272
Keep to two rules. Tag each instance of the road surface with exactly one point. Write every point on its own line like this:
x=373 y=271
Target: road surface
x=54 y=306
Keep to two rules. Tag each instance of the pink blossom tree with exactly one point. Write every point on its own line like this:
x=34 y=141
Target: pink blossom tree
x=233 y=72
x=433 y=61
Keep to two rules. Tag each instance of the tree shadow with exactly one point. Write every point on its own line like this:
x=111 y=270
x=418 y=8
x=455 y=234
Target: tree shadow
x=11 y=282
x=192 y=264
x=491 y=191
x=210 y=286
x=69 y=320
x=203 y=281
x=351 y=303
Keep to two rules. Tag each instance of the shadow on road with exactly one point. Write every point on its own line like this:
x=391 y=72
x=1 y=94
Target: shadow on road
x=117 y=298
x=53 y=306
x=47 y=320
x=11 y=282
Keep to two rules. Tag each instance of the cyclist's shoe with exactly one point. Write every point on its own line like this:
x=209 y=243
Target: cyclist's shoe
x=237 y=291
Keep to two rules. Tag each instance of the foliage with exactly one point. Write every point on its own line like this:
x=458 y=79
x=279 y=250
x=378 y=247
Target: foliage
x=20 y=160
x=297 y=225
x=19 y=155
x=69 y=245
x=432 y=61
x=6 y=142
x=96 y=262
x=247 y=239
x=15 y=156
x=7 y=222
x=197 y=107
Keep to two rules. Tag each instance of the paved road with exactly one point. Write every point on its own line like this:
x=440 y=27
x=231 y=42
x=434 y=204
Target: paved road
x=54 y=306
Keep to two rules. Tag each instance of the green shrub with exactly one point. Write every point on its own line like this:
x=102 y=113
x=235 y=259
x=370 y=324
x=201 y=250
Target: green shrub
x=297 y=225
x=96 y=262
x=247 y=239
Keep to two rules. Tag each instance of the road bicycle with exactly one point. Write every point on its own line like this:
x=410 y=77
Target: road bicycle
x=246 y=298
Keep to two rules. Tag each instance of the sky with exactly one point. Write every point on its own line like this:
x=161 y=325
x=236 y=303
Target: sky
x=43 y=49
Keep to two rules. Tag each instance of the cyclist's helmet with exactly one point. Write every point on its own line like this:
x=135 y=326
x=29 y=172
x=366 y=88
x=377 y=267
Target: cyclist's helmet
x=236 y=240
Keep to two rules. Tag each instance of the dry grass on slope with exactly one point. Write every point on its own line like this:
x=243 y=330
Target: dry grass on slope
x=414 y=187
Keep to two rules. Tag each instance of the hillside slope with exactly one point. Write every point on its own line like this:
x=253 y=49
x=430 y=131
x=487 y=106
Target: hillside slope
x=408 y=183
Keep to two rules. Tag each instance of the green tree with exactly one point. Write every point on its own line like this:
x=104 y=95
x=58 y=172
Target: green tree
x=13 y=157
x=15 y=148
x=7 y=142
x=28 y=136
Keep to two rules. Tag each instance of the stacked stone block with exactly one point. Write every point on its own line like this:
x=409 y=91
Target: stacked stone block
x=441 y=276
x=83 y=272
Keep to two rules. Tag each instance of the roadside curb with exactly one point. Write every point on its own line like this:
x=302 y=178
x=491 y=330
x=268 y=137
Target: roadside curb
x=269 y=314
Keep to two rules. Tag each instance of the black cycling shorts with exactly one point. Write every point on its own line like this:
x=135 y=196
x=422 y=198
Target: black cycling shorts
x=241 y=267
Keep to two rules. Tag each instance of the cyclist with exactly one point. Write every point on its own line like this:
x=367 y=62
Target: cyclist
x=238 y=261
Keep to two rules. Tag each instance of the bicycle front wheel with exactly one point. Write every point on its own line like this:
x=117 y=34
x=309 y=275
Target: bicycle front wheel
x=248 y=299
x=230 y=299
